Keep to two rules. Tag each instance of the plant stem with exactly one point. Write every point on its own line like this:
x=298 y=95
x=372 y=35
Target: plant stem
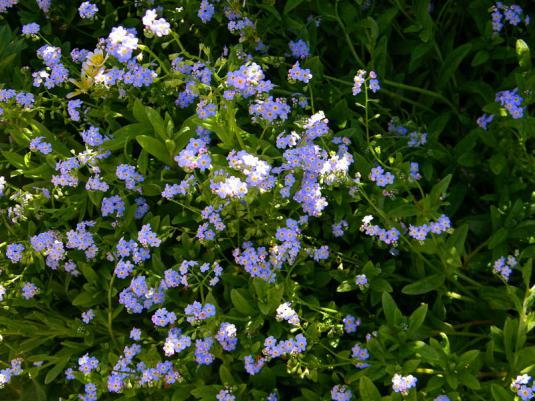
x=110 y=310
x=422 y=91
x=346 y=36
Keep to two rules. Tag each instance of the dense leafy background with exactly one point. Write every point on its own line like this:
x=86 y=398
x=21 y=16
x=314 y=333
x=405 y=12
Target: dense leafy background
x=435 y=308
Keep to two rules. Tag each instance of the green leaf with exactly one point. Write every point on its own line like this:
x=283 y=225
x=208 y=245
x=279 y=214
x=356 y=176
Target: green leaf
x=155 y=147
x=225 y=375
x=56 y=370
x=124 y=134
x=481 y=57
x=291 y=4
x=88 y=273
x=390 y=309
x=469 y=381
x=157 y=122
x=439 y=189
x=310 y=395
x=241 y=303
x=467 y=358
x=367 y=390
x=523 y=53
x=139 y=113
x=14 y=159
x=497 y=163
x=425 y=285
x=452 y=62
x=182 y=392
x=500 y=394
x=416 y=319
x=509 y=333
x=498 y=237
x=86 y=299
x=458 y=239
x=205 y=392
x=346 y=286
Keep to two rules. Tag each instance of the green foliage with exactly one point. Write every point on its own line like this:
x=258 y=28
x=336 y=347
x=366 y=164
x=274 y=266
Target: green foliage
x=453 y=309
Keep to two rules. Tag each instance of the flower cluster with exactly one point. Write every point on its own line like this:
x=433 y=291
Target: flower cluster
x=72 y=109
x=87 y=364
x=504 y=266
x=269 y=110
x=175 y=342
x=257 y=171
x=339 y=228
x=361 y=281
x=38 y=145
x=182 y=188
x=440 y=226
x=31 y=29
x=341 y=393
x=402 y=384
x=55 y=72
x=239 y=24
x=121 y=43
x=225 y=395
x=414 y=171
x=202 y=351
x=381 y=178
x=87 y=10
x=361 y=354
x=285 y=312
x=14 y=252
x=395 y=126
x=252 y=365
x=351 y=324
x=159 y=27
x=360 y=79
x=521 y=386
x=195 y=155
x=299 y=48
x=135 y=334
x=296 y=73
x=484 y=120
x=147 y=238
x=162 y=317
x=196 y=312
x=226 y=186
x=112 y=205
x=260 y=263
x=389 y=237
x=15 y=369
x=247 y=81
x=321 y=253
x=67 y=177
x=130 y=176
x=206 y=110
x=88 y=315
x=6 y=4
x=29 y=290
x=512 y=102
x=23 y=99
x=512 y=14
x=417 y=139
x=213 y=222
x=206 y=11
x=138 y=295
x=292 y=346
x=226 y=336
x=131 y=248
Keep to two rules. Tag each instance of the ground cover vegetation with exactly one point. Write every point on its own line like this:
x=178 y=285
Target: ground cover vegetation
x=266 y=200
